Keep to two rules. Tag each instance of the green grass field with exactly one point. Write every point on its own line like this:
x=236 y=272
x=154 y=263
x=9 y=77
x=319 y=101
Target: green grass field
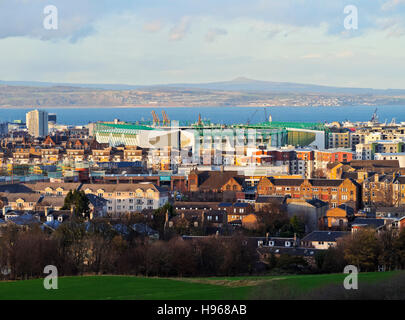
x=139 y=288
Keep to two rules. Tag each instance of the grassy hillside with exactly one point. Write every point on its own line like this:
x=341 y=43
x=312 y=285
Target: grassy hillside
x=127 y=287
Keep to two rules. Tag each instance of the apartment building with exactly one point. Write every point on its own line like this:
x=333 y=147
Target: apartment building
x=129 y=198
x=364 y=151
x=335 y=192
x=37 y=123
x=339 y=140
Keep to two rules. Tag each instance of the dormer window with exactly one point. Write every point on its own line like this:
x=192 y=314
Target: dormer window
x=271 y=243
x=288 y=244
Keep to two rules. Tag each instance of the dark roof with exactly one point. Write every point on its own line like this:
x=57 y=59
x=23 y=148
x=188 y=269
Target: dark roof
x=349 y=210
x=349 y=175
x=216 y=179
x=241 y=205
x=325 y=182
x=15 y=188
x=374 y=163
x=225 y=204
x=270 y=199
x=293 y=251
x=390 y=210
x=327 y=236
x=317 y=203
x=144 y=229
x=287 y=182
x=375 y=223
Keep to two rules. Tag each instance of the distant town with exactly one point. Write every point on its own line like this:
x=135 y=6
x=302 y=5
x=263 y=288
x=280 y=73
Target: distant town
x=286 y=190
x=240 y=92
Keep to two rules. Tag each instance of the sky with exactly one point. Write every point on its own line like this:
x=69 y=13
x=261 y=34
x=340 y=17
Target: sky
x=191 y=41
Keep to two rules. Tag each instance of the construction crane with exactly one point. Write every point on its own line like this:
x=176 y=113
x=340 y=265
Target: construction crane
x=156 y=120
x=166 y=120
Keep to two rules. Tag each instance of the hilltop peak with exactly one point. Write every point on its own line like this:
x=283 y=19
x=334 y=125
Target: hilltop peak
x=243 y=79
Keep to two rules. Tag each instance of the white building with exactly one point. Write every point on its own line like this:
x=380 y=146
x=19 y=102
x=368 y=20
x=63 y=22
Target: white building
x=392 y=156
x=37 y=123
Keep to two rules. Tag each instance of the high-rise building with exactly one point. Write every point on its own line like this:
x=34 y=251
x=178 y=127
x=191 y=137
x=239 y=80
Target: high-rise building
x=52 y=118
x=37 y=123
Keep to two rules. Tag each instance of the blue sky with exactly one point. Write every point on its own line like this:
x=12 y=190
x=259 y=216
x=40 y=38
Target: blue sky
x=169 y=41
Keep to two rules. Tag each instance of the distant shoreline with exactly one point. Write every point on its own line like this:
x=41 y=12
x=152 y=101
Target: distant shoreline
x=172 y=106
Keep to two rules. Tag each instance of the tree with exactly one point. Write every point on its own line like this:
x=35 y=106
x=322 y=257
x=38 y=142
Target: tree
x=331 y=260
x=79 y=202
x=399 y=247
x=298 y=226
x=388 y=253
x=362 y=249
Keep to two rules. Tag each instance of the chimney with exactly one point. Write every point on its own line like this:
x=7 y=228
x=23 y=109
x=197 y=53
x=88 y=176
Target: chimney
x=47 y=211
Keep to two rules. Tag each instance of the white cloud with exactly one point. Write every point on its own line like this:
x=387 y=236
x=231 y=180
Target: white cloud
x=344 y=54
x=391 y=4
x=153 y=26
x=214 y=33
x=312 y=56
x=179 y=31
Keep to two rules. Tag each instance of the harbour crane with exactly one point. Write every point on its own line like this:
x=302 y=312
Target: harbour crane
x=374 y=118
x=166 y=120
x=250 y=118
x=156 y=120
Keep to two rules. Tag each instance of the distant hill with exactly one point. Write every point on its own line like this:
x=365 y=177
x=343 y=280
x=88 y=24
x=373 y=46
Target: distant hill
x=240 y=84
